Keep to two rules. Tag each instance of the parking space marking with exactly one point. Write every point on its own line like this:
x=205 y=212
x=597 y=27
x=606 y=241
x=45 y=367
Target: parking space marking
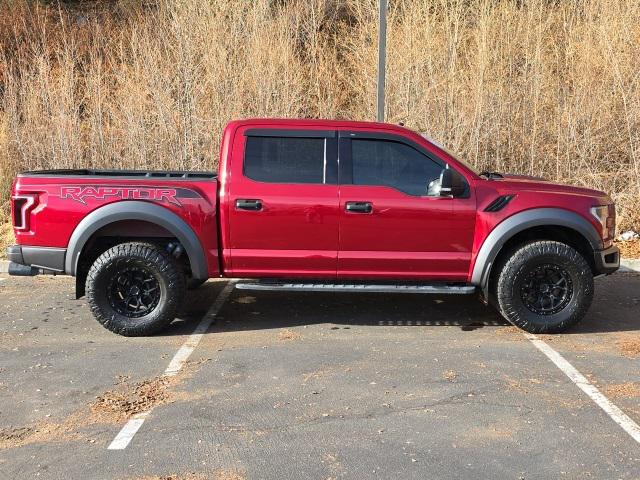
x=192 y=342
x=127 y=433
x=617 y=415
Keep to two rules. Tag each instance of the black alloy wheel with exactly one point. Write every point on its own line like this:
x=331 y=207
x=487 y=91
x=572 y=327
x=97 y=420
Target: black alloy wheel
x=134 y=292
x=546 y=289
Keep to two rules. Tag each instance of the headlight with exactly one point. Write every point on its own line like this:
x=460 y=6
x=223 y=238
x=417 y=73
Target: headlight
x=606 y=216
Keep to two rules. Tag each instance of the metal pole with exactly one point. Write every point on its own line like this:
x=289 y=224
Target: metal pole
x=382 y=52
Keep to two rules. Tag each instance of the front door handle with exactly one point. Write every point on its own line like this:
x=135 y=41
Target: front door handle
x=246 y=204
x=359 y=207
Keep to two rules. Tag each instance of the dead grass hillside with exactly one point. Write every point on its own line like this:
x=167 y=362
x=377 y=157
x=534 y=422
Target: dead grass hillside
x=529 y=86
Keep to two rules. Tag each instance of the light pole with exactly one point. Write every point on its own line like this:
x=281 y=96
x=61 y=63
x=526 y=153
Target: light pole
x=382 y=52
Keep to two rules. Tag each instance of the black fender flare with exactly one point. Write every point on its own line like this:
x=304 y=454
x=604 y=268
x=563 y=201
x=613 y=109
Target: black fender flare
x=519 y=222
x=136 y=210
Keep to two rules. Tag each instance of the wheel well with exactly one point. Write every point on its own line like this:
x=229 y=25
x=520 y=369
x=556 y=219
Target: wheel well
x=121 y=232
x=556 y=233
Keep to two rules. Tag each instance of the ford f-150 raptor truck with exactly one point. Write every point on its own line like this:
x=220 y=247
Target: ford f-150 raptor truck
x=320 y=205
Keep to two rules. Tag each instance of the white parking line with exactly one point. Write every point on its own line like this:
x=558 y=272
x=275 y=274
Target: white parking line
x=127 y=433
x=617 y=415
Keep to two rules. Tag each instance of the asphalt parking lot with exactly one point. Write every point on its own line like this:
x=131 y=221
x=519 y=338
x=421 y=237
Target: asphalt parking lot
x=314 y=385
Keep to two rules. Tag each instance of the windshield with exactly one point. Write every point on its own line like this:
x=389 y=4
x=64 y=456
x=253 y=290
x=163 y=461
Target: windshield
x=439 y=145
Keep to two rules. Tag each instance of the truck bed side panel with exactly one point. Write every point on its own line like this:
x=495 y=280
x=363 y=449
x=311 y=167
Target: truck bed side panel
x=63 y=201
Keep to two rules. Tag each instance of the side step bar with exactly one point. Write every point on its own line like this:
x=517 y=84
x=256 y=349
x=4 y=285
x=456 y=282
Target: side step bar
x=432 y=288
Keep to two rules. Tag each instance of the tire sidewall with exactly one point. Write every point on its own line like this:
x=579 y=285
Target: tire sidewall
x=515 y=272
x=149 y=258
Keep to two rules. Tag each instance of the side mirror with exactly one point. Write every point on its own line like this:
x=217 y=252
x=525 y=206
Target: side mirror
x=452 y=184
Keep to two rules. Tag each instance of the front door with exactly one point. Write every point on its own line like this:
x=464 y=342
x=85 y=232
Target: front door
x=393 y=222
x=283 y=204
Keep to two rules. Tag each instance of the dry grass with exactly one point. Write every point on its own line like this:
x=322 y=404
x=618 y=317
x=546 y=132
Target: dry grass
x=629 y=249
x=6 y=236
x=534 y=87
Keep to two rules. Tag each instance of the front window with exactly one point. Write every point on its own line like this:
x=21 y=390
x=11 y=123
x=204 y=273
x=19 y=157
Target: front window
x=392 y=164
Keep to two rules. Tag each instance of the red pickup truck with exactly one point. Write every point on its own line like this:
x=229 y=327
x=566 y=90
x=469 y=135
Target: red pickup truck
x=319 y=205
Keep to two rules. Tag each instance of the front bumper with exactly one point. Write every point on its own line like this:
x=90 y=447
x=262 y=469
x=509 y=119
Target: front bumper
x=607 y=261
x=48 y=259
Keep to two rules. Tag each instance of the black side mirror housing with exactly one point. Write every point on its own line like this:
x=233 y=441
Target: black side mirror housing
x=452 y=184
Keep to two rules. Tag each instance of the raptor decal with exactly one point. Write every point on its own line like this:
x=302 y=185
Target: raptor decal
x=81 y=194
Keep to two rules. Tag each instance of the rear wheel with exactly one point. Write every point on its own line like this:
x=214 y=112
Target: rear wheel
x=544 y=287
x=135 y=289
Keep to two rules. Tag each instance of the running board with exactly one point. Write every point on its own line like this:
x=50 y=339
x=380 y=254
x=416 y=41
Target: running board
x=433 y=288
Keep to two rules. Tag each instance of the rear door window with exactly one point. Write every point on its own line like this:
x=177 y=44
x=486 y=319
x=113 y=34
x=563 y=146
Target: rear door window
x=285 y=159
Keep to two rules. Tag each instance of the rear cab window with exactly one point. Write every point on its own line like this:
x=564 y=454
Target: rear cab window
x=299 y=159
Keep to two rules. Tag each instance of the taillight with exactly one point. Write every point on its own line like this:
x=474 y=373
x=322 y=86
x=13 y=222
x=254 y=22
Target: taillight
x=22 y=205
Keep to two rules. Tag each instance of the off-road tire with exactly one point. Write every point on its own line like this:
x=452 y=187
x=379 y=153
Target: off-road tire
x=145 y=257
x=518 y=269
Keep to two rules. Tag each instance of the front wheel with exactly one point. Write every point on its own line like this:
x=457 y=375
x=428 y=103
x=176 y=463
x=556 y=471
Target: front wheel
x=135 y=289
x=544 y=287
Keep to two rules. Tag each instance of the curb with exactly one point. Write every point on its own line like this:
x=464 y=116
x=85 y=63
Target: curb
x=629 y=265
x=626 y=265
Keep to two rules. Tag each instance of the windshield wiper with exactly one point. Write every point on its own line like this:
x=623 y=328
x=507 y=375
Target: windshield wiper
x=491 y=175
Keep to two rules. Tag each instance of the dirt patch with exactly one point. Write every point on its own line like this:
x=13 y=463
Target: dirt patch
x=630 y=347
x=628 y=389
x=229 y=475
x=114 y=406
x=218 y=475
x=289 y=335
x=127 y=400
x=538 y=388
x=181 y=476
x=184 y=476
x=450 y=375
x=316 y=375
x=513 y=333
x=12 y=437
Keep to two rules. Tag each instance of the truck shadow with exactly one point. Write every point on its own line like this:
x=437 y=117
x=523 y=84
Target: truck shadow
x=246 y=310
x=614 y=309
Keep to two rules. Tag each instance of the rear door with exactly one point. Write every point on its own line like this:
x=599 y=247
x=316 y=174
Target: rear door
x=391 y=225
x=283 y=203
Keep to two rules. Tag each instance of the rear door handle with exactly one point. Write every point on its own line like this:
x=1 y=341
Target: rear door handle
x=359 y=207
x=246 y=204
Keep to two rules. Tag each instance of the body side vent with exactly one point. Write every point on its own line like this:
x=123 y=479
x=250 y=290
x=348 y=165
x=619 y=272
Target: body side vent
x=499 y=203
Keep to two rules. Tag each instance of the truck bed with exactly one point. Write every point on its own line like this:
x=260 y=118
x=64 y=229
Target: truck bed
x=59 y=200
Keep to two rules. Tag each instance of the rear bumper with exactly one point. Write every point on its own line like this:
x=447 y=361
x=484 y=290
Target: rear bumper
x=607 y=261
x=49 y=259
